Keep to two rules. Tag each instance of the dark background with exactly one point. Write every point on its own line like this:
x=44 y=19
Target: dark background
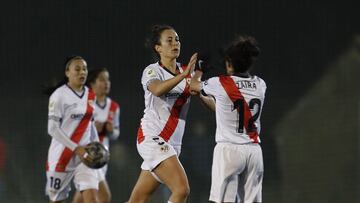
x=310 y=60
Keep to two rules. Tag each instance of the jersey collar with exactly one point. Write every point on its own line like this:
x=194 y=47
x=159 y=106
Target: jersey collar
x=177 y=69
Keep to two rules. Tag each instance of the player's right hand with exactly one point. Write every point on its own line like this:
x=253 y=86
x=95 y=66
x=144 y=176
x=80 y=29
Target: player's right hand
x=86 y=158
x=191 y=65
x=99 y=126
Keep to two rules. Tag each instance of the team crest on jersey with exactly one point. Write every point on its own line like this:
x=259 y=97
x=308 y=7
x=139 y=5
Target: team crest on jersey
x=51 y=106
x=188 y=80
x=164 y=148
x=151 y=73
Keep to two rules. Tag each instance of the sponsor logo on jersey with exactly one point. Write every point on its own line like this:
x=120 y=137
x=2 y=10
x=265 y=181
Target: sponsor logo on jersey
x=243 y=84
x=172 y=95
x=80 y=116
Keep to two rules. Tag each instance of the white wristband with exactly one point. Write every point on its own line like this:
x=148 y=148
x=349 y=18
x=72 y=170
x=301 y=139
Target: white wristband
x=85 y=155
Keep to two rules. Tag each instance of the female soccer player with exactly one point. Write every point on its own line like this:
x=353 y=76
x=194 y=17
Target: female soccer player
x=106 y=116
x=167 y=98
x=237 y=169
x=70 y=125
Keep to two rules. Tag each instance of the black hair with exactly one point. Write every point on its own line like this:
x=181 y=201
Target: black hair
x=242 y=53
x=154 y=39
x=70 y=59
x=49 y=89
x=93 y=75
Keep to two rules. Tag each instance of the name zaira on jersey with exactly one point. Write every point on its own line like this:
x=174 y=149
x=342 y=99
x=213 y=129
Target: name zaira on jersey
x=243 y=84
x=80 y=116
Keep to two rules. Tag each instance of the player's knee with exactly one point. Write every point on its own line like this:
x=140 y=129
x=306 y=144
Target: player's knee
x=105 y=199
x=136 y=200
x=91 y=199
x=138 y=197
x=182 y=191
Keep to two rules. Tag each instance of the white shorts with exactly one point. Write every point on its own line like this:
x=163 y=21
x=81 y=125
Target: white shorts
x=237 y=173
x=58 y=184
x=101 y=173
x=154 y=150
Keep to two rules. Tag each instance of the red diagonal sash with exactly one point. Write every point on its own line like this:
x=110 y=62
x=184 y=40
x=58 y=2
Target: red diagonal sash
x=173 y=119
x=234 y=94
x=77 y=134
x=112 y=111
x=111 y=114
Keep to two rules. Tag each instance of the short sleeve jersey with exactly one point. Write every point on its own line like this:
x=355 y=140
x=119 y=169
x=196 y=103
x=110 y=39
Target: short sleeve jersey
x=74 y=112
x=231 y=121
x=165 y=115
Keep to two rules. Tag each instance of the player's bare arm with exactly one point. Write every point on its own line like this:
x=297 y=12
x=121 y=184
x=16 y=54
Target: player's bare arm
x=208 y=101
x=195 y=83
x=159 y=88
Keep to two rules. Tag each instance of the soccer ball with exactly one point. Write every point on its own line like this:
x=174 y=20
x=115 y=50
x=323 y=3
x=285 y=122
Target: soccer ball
x=99 y=153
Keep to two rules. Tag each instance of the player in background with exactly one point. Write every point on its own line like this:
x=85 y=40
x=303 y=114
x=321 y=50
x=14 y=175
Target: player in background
x=167 y=99
x=237 y=169
x=70 y=125
x=107 y=122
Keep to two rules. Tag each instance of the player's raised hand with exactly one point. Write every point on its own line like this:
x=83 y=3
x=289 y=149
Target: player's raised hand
x=203 y=63
x=191 y=65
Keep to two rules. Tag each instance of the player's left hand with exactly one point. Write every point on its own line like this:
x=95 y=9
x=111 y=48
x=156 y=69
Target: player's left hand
x=109 y=127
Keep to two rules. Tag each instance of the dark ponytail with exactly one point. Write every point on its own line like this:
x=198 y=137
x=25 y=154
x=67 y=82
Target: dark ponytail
x=242 y=53
x=49 y=89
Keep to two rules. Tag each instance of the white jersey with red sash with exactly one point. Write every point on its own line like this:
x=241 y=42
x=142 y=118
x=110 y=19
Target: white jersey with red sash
x=74 y=113
x=165 y=115
x=239 y=103
x=108 y=112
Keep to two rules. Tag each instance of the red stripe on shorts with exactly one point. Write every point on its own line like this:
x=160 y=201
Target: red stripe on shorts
x=140 y=135
x=77 y=135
